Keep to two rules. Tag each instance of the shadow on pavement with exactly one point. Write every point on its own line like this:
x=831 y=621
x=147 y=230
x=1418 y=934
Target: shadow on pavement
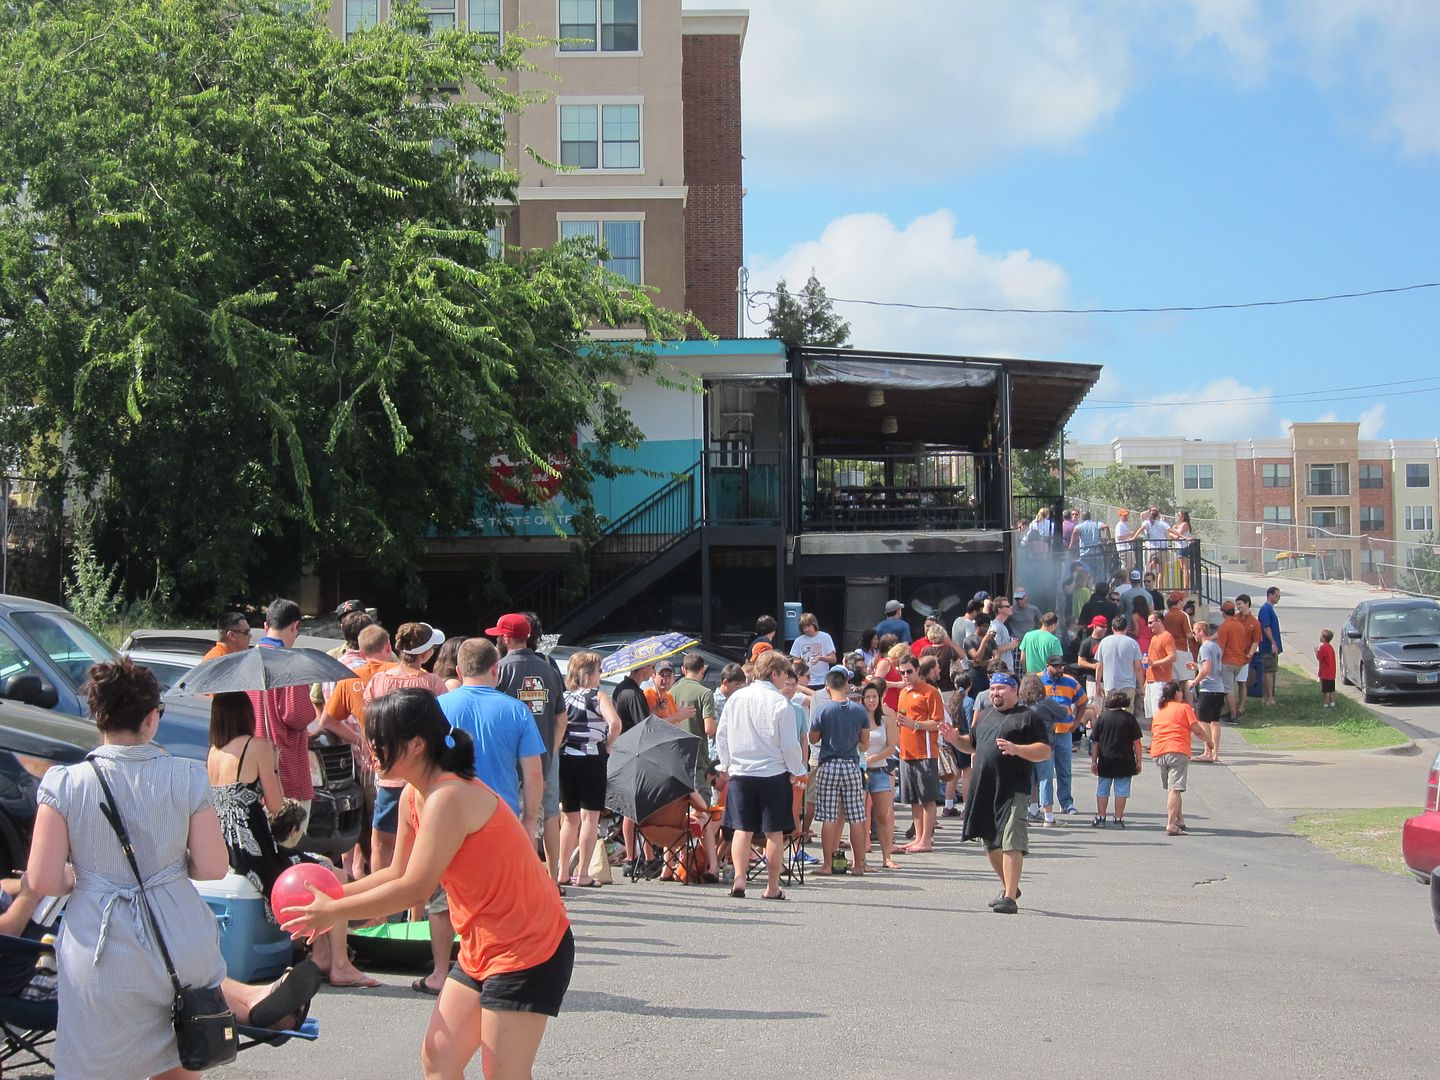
x=599 y=1001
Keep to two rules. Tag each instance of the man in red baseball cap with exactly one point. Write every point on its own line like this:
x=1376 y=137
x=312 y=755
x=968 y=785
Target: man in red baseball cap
x=533 y=681
x=1085 y=659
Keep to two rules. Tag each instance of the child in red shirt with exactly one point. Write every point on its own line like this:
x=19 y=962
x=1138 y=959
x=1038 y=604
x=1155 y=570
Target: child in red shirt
x=1325 y=657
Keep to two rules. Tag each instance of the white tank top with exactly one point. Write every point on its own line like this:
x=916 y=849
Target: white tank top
x=877 y=740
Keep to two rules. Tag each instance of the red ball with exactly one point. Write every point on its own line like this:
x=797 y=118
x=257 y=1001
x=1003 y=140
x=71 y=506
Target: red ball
x=290 y=891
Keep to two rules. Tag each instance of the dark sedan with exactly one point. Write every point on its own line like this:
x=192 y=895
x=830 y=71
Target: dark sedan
x=1392 y=647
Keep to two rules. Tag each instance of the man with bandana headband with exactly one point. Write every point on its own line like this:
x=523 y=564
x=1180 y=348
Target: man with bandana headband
x=1006 y=740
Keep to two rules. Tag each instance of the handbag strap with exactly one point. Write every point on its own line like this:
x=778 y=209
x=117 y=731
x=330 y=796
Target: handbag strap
x=111 y=810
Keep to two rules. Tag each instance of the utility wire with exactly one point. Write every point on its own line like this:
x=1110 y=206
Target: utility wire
x=1299 y=397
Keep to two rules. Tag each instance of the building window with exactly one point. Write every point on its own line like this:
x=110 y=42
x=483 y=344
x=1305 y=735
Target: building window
x=1167 y=471
x=600 y=136
x=1276 y=476
x=483 y=17
x=487 y=159
x=1370 y=561
x=621 y=240
x=617 y=28
x=1417 y=475
x=1372 y=519
x=1325 y=517
x=360 y=14
x=441 y=14
x=1279 y=515
x=495 y=240
x=1090 y=472
x=1420 y=519
x=1372 y=476
x=1199 y=477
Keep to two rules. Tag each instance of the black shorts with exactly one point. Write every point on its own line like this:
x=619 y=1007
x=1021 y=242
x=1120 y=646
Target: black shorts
x=539 y=989
x=919 y=781
x=1211 y=705
x=582 y=783
x=1327 y=686
x=760 y=804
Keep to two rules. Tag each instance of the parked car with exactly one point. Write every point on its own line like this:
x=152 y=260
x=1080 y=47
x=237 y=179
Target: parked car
x=24 y=758
x=1420 y=835
x=46 y=654
x=1392 y=647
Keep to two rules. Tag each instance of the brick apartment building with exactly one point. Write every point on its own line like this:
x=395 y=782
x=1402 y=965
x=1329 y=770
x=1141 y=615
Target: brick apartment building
x=1349 y=506
x=646 y=110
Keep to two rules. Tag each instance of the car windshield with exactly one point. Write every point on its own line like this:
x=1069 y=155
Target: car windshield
x=1393 y=624
x=166 y=673
x=66 y=640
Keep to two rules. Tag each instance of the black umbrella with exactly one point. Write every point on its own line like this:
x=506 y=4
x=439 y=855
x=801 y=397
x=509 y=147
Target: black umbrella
x=260 y=669
x=651 y=766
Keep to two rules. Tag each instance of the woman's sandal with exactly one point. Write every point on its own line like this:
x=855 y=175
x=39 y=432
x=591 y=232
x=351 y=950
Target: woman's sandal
x=290 y=995
x=739 y=894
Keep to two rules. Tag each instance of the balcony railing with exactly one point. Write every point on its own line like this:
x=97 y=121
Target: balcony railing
x=1327 y=487
x=927 y=492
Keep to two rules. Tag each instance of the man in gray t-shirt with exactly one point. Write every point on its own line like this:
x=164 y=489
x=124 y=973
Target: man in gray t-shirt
x=1210 y=685
x=1117 y=664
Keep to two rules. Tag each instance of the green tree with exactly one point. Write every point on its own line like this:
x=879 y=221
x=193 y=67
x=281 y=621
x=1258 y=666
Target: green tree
x=1422 y=568
x=1037 y=472
x=807 y=318
x=249 y=310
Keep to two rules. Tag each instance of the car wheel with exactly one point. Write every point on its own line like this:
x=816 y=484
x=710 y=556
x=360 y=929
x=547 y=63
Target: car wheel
x=1364 y=684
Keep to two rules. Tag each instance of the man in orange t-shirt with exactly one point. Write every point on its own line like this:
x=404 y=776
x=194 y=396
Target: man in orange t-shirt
x=1161 y=656
x=661 y=700
x=233 y=633
x=921 y=711
x=1170 y=730
x=344 y=715
x=1239 y=640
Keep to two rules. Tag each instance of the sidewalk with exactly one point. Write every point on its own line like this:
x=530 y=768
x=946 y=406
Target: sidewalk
x=1292 y=780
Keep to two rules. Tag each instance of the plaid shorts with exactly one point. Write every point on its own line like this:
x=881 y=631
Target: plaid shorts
x=839 y=783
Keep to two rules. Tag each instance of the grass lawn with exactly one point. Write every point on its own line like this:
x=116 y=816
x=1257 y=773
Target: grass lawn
x=1368 y=837
x=1297 y=722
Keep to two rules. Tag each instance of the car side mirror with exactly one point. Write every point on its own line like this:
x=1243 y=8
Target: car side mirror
x=1352 y=633
x=31 y=690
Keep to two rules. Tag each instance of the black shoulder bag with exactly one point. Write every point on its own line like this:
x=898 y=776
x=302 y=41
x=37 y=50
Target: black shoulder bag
x=204 y=1025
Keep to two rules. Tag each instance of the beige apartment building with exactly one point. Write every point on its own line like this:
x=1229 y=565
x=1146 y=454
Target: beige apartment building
x=1323 y=499
x=642 y=107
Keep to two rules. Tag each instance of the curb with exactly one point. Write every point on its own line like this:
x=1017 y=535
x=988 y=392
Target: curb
x=1408 y=748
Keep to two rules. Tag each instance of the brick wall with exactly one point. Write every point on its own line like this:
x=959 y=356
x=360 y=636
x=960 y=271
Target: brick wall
x=714 y=239
x=1251 y=498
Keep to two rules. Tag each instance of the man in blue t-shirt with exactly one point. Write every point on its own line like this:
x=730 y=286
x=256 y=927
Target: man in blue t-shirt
x=840 y=728
x=507 y=742
x=1270 y=641
x=893 y=624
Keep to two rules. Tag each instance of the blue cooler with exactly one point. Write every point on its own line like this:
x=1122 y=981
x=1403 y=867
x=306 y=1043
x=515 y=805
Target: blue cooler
x=255 y=949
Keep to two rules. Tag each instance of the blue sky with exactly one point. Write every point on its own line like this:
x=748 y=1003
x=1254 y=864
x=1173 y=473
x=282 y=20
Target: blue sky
x=1121 y=154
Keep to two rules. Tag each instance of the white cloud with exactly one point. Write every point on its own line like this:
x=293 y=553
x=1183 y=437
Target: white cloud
x=922 y=89
x=1372 y=421
x=1191 y=412
x=867 y=256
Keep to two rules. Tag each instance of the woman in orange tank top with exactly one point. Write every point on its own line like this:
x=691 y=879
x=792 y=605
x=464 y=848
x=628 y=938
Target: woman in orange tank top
x=516 y=948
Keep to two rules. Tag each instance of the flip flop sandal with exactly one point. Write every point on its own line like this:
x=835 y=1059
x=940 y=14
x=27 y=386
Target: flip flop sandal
x=779 y=896
x=420 y=986
x=292 y=993
x=739 y=894
x=576 y=883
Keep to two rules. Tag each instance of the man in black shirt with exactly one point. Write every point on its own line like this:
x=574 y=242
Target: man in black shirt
x=1006 y=739
x=1101 y=602
x=630 y=703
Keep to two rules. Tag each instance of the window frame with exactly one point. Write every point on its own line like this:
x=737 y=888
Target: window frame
x=359 y=24
x=1417 y=465
x=1203 y=480
x=499 y=32
x=600 y=220
x=431 y=8
x=597 y=32
x=1272 y=480
x=1367 y=519
x=1423 y=512
x=599 y=105
x=1371 y=482
x=1275 y=519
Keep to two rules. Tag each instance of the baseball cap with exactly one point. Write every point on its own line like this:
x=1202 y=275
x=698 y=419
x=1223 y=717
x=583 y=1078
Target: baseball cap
x=417 y=637
x=981 y=595
x=1055 y=661
x=1020 y=592
x=1124 y=513
x=840 y=667
x=1099 y=620
x=893 y=605
x=511 y=626
x=665 y=665
x=1228 y=607
x=1135 y=575
x=759 y=648
x=347 y=607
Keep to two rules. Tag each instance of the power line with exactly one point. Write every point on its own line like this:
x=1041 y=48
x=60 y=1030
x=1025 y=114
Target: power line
x=1298 y=397
x=1124 y=310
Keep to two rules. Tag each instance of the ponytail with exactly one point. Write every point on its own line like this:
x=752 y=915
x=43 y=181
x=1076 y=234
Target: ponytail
x=459 y=755
x=401 y=715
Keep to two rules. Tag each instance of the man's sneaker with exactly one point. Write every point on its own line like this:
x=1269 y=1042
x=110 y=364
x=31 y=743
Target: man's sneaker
x=1033 y=815
x=1005 y=906
x=1097 y=822
x=806 y=858
x=1049 y=820
x=1119 y=823
x=1001 y=897
x=950 y=811
x=1072 y=810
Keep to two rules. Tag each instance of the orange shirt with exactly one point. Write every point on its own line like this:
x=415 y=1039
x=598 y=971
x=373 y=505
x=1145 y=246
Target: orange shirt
x=1161 y=670
x=920 y=704
x=1235 y=640
x=347 y=700
x=1170 y=729
x=662 y=703
x=503 y=902
x=1178 y=624
x=218 y=650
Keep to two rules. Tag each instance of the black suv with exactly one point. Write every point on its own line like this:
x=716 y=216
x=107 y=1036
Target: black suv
x=45 y=655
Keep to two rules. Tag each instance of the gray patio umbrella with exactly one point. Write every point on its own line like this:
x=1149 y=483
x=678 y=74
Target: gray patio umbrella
x=260 y=669
x=650 y=766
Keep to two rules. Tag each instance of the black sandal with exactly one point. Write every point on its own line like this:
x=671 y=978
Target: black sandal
x=291 y=994
x=739 y=894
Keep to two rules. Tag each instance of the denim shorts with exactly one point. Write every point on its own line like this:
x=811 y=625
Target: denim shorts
x=878 y=781
x=387 y=809
x=1121 y=784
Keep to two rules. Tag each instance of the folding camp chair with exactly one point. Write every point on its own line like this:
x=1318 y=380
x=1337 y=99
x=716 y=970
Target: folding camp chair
x=29 y=1026
x=667 y=830
x=792 y=871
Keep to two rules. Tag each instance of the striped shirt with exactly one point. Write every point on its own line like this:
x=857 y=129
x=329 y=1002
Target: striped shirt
x=1069 y=693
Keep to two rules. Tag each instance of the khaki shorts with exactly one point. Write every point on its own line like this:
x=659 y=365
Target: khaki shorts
x=1231 y=674
x=1174 y=770
x=437 y=903
x=1271 y=662
x=1014 y=833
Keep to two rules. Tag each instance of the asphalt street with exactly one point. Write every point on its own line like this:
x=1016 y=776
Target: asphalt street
x=1238 y=950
